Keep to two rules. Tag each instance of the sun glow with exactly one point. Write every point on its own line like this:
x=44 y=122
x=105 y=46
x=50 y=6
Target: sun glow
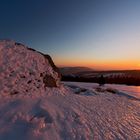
x=100 y=64
x=138 y=65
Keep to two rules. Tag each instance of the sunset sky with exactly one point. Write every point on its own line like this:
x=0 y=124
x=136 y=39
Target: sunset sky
x=102 y=34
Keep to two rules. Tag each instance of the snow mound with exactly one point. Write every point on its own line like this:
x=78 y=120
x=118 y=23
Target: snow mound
x=24 y=70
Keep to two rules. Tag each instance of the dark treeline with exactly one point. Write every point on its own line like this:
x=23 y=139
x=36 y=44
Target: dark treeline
x=128 y=80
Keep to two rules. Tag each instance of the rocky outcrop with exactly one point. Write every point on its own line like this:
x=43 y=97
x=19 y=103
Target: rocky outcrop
x=46 y=56
x=22 y=66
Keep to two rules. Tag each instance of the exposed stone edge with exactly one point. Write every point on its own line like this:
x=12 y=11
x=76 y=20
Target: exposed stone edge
x=50 y=61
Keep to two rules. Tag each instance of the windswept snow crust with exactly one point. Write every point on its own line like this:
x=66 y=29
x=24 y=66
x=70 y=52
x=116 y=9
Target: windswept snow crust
x=63 y=114
x=34 y=105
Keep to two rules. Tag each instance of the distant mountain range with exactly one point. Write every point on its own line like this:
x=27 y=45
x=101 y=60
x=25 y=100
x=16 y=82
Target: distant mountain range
x=74 y=70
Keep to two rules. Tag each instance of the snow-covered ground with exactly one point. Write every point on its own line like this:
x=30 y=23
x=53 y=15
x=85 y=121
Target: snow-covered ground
x=79 y=111
x=128 y=90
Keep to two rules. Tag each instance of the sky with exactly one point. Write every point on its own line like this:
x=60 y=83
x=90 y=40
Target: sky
x=101 y=34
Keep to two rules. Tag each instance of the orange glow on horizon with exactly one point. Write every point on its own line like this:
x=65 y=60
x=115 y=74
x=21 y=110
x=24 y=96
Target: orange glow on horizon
x=101 y=65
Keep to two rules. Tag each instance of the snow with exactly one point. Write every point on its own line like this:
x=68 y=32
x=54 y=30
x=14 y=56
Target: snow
x=133 y=91
x=63 y=115
x=71 y=111
x=22 y=70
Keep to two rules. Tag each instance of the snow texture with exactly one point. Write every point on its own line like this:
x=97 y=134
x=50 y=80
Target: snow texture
x=71 y=111
x=23 y=70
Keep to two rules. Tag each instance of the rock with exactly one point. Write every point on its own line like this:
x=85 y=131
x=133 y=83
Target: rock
x=20 y=64
x=49 y=81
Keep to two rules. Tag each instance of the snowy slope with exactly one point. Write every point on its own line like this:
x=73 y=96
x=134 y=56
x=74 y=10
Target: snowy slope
x=63 y=115
x=45 y=109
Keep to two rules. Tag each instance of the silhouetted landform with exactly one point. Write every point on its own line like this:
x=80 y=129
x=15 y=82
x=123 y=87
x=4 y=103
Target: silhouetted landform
x=128 y=77
x=74 y=70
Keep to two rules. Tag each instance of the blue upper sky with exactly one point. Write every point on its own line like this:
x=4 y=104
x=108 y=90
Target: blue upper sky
x=104 y=34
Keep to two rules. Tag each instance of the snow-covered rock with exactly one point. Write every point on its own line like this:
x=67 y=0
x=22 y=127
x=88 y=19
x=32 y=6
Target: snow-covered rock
x=23 y=68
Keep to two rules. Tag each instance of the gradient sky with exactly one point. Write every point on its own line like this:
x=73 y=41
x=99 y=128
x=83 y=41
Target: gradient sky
x=102 y=34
